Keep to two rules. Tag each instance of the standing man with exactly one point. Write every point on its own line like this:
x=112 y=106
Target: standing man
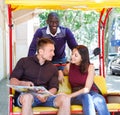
x=60 y=35
x=37 y=70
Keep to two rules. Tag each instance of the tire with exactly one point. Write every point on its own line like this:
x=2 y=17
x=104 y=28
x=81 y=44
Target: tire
x=111 y=72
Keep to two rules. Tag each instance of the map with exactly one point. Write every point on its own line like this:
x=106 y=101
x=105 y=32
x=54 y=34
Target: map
x=35 y=90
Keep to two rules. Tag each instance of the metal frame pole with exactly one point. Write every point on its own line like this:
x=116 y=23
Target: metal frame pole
x=10 y=36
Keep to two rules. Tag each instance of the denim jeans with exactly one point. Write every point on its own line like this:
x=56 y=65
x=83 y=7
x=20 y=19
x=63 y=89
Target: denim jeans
x=91 y=102
x=37 y=102
x=60 y=61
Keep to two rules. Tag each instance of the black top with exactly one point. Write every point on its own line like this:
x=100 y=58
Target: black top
x=29 y=69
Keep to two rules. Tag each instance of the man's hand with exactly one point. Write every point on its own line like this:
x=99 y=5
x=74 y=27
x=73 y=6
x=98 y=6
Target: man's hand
x=26 y=83
x=42 y=98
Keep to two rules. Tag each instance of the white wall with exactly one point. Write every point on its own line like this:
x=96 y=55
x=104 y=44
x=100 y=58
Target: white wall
x=1 y=55
x=21 y=39
x=23 y=36
x=4 y=66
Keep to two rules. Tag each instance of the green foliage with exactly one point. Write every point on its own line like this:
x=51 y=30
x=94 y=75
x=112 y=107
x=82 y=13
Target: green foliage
x=117 y=10
x=84 y=24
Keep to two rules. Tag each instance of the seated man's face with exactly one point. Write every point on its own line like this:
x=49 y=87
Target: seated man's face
x=48 y=52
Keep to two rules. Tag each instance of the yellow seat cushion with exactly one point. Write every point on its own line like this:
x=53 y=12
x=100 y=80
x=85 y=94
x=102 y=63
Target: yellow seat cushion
x=37 y=110
x=74 y=108
x=113 y=107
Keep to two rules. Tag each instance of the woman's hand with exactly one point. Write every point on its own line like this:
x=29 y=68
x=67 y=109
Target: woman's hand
x=69 y=95
x=61 y=76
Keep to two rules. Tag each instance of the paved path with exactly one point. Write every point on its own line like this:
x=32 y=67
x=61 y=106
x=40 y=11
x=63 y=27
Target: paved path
x=113 y=82
x=3 y=97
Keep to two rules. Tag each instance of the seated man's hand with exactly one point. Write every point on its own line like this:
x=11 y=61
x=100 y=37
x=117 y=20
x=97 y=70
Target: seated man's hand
x=42 y=98
x=26 y=83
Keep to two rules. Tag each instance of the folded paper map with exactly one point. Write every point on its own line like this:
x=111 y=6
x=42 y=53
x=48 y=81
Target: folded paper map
x=35 y=90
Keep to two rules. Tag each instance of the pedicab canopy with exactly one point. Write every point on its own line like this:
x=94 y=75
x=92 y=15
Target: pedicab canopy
x=63 y=4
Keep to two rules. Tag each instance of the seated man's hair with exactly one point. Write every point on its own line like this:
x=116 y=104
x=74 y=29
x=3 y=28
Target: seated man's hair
x=43 y=41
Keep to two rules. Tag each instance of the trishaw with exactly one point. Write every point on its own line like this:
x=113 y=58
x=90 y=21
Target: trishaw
x=104 y=7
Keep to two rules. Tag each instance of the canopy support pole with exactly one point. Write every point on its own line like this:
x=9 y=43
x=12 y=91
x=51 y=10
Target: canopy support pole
x=10 y=36
x=101 y=36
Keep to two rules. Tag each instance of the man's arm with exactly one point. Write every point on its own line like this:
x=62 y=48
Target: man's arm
x=70 y=39
x=16 y=75
x=15 y=81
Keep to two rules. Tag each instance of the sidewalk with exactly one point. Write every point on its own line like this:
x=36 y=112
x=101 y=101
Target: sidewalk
x=3 y=97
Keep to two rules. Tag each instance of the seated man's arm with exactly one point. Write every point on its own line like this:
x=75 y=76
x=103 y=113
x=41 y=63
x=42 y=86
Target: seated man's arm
x=15 y=81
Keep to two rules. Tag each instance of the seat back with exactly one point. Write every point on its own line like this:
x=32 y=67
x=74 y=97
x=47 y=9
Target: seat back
x=98 y=80
x=65 y=86
x=101 y=84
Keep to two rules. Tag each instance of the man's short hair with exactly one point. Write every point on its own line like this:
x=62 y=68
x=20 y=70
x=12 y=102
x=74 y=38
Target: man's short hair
x=43 y=41
x=51 y=14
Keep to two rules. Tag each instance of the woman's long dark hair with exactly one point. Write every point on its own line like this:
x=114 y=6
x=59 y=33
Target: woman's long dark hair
x=83 y=51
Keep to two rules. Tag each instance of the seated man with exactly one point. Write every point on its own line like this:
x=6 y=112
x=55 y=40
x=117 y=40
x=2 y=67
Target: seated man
x=39 y=71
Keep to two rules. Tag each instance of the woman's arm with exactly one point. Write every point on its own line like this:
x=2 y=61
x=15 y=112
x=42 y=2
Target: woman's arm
x=90 y=77
x=66 y=69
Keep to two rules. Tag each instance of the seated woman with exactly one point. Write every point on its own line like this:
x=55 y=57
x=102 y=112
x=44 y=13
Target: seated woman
x=84 y=91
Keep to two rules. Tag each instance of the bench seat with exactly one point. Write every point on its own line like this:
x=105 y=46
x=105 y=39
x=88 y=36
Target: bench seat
x=75 y=109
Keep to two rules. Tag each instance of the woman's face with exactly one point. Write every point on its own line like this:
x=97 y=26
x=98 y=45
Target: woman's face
x=76 y=57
